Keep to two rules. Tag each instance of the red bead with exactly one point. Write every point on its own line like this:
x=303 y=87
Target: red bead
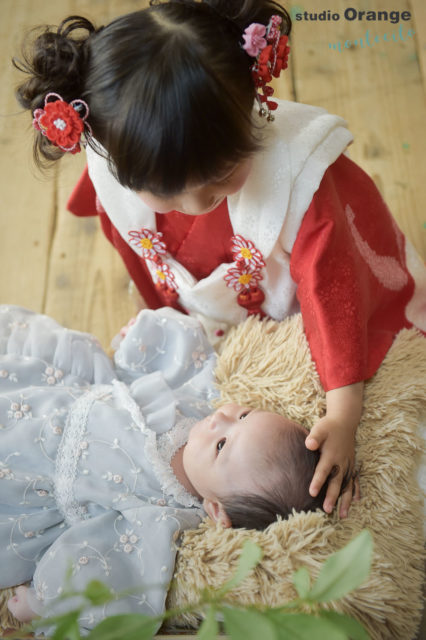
x=251 y=299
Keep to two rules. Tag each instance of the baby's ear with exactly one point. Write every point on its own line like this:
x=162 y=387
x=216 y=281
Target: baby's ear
x=216 y=512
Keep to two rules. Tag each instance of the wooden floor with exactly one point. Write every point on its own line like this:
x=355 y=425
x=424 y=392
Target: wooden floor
x=63 y=266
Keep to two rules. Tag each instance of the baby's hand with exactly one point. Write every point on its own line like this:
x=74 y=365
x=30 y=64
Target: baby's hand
x=19 y=607
x=336 y=442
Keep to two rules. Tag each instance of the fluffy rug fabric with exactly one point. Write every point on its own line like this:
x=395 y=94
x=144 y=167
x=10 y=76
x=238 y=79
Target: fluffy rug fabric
x=268 y=365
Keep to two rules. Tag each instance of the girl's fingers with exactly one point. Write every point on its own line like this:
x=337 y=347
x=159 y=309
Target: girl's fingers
x=311 y=443
x=321 y=474
x=351 y=493
x=333 y=493
x=346 y=500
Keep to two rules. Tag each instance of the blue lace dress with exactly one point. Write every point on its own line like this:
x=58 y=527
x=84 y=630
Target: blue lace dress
x=86 y=486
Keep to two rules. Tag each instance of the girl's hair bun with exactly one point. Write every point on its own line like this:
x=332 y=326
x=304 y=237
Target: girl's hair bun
x=54 y=60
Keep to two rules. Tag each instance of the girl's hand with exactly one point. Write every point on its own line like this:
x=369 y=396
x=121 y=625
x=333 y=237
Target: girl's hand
x=334 y=436
x=337 y=445
x=19 y=607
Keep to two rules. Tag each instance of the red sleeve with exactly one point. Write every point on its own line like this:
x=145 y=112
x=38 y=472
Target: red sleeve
x=353 y=285
x=82 y=201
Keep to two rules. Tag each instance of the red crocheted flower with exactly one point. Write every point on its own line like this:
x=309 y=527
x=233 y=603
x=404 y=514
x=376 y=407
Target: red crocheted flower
x=61 y=124
x=148 y=242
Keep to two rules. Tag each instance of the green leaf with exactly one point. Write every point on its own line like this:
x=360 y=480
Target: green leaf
x=302 y=582
x=67 y=627
x=345 y=570
x=352 y=627
x=248 y=624
x=209 y=627
x=97 y=593
x=251 y=554
x=301 y=626
x=131 y=626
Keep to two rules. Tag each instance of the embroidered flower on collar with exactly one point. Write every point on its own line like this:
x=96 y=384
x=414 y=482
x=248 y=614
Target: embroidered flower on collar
x=245 y=251
x=242 y=277
x=150 y=247
x=148 y=242
x=163 y=275
x=245 y=273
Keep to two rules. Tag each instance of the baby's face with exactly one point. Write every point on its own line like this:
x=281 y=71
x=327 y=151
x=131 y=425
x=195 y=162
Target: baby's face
x=227 y=451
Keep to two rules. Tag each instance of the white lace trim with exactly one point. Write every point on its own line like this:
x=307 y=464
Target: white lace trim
x=160 y=449
x=123 y=394
x=69 y=452
x=160 y=452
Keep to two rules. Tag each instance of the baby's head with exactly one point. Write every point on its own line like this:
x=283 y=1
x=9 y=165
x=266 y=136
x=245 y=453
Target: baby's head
x=250 y=466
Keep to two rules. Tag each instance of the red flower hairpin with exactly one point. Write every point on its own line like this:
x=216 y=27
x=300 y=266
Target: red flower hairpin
x=271 y=51
x=62 y=122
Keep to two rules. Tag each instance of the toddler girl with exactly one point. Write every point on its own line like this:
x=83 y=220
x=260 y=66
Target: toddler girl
x=102 y=465
x=219 y=208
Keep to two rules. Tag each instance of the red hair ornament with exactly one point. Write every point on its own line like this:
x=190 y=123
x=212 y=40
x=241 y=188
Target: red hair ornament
x=271 y=51
x=62 y=122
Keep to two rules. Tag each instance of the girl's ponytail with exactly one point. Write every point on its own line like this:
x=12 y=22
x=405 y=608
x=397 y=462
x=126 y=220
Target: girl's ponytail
x=55 y=61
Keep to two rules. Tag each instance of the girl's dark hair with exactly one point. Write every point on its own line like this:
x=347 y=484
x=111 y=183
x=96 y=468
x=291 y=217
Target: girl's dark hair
x=169 y=88
x=286 y=488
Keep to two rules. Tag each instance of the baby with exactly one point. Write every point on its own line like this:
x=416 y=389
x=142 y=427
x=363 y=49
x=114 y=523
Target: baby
x=102 y=466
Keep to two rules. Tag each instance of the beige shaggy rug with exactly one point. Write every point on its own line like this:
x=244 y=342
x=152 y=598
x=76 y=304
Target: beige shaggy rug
x=268 y=365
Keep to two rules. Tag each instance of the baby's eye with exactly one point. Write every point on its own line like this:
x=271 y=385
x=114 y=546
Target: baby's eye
x=244 y=415
x=220 y=444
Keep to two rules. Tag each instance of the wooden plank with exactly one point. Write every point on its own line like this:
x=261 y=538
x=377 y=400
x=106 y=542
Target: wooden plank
x=418 y=8
x=378 y=90
x=27 y=203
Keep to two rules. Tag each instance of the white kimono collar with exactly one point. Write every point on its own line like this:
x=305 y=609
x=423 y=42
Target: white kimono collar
x=299 y=146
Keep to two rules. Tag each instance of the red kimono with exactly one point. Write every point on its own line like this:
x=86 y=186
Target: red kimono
x=352 y=266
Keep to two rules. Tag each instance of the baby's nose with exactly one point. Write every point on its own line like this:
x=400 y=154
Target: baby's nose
x=220 y=420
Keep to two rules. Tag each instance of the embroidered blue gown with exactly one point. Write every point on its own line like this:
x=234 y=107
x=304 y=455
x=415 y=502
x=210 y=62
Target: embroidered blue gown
x=85 y=445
